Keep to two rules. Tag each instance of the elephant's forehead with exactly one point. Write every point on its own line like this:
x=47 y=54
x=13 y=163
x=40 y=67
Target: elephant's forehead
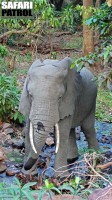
x=44 y=70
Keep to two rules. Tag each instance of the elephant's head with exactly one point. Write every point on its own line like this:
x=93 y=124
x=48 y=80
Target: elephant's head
x=45 y=98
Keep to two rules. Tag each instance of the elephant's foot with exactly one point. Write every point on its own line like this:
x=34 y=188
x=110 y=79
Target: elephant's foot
x=29 y=163
x=61 y=173
x=31 y=171
x=63 y=176
x=93 y=145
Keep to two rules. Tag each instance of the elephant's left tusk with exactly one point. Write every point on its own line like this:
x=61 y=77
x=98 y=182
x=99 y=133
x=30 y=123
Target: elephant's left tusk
x=31 y=138
x=57 y=137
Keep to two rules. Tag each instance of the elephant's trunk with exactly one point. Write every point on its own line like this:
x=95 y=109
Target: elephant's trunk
x=43 y=117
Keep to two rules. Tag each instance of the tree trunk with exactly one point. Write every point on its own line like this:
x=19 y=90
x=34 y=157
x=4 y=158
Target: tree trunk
x=97 y=33
x=88 y=34
x=98 y=3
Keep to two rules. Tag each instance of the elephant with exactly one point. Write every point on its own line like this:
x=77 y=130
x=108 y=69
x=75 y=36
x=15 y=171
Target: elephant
x=56 y=96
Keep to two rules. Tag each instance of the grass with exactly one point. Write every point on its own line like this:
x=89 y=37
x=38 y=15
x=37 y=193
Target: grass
x=74 y=42
x=104 y=105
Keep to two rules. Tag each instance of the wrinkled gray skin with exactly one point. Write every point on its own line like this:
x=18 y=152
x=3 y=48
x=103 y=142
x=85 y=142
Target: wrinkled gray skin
x=53 y=93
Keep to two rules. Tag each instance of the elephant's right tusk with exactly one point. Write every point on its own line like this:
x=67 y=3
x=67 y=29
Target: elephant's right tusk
x=57 y=137
x=31 y=138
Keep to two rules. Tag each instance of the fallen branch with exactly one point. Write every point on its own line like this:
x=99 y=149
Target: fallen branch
x=92 y=168
x=9 y=33
x=109 y=164
x=58 y=34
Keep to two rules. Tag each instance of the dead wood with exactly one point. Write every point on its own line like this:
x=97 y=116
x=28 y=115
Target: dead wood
x=9 y=33
x=104 y=166
x=58 y=34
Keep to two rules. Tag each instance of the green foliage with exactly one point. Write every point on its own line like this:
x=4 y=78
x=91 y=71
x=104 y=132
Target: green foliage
x=101 y=55
x=104 y=105
x=102 y=19
x=9 y=99
x=3 y=65
x=70 y=18
x=73 y=186
x=85 y=61
x=45 y=20
x=3 y=51
x=47 y=189
x=16 y=191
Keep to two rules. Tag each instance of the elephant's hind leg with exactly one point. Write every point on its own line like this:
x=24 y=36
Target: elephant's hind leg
x=72 y=147
x=89 y=131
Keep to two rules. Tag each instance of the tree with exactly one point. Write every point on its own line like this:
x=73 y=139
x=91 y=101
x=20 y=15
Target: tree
x=88 y=34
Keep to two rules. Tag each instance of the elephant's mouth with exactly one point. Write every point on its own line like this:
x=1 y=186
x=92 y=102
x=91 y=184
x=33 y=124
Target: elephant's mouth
x=32 y=139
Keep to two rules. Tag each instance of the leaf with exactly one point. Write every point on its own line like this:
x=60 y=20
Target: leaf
x=77 y=180
x=103 y=30
x=80 y=66
x=48 y=184
x=72 y=65
x=106 y=54
x=90 y=61
x=57 y=190
x=89 y=21
x=94 y=20
x=16 y=198
x=28 y=195
x=67 y=187
x=27 y=185
x=41 y=194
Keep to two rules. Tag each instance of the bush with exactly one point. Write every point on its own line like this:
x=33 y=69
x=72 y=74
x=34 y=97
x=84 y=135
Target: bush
x=3 y=51
x=9 y=99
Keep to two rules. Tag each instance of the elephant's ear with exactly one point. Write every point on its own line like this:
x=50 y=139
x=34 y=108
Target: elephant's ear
x=72 y=83
x=65 y=63
x=63 y=66
x=24 y=106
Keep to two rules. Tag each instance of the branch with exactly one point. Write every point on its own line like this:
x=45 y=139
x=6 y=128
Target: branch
x=92 y=168
x=8 y=33
x=109 y=164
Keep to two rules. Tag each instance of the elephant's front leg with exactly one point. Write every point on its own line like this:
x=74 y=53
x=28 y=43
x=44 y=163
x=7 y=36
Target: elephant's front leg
x=61 y=156
x=72 y=147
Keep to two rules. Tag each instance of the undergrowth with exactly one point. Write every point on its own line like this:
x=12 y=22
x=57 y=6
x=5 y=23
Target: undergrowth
x=104 y=105
x=86 y=177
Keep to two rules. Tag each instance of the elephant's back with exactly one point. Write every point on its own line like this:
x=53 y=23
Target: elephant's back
x=88 y=78
x=86 y=74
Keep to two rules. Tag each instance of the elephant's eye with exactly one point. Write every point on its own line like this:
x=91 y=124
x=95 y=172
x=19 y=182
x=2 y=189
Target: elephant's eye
x=30 y=96
x=30 y=93
x=59 y=98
